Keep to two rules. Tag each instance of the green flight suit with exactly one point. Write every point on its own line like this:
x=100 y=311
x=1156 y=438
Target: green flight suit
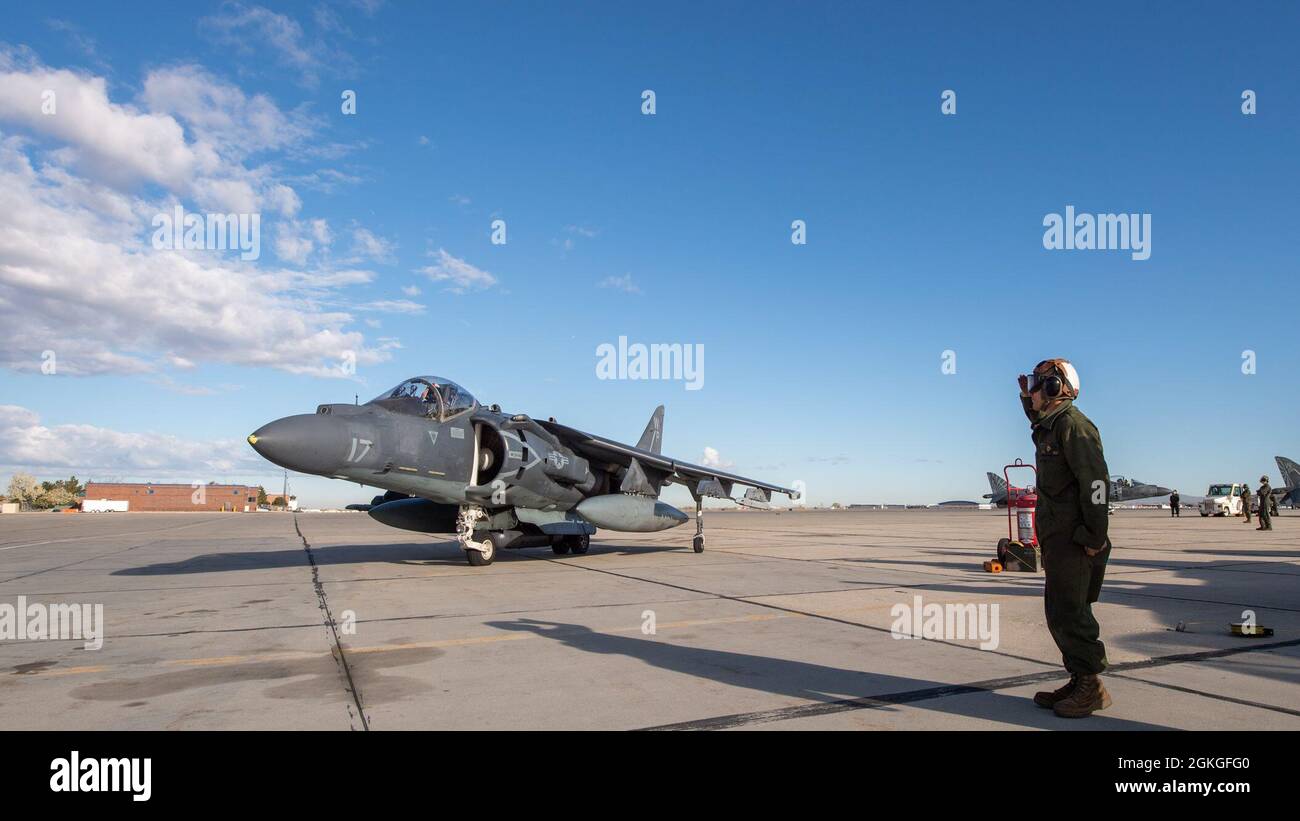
x=1245 y=502
x=1072 y=513
x=1265 y=519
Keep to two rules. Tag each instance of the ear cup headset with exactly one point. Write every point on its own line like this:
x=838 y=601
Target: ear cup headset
x=1051 y=383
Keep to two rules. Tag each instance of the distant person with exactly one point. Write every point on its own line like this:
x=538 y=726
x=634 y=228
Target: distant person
x=1272 y=507
x=1245 y=500
x=1265 y=515
x=1071 y=517
x=1174 y=501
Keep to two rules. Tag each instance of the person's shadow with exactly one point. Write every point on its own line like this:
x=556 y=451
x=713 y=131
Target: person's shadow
x=824 y=689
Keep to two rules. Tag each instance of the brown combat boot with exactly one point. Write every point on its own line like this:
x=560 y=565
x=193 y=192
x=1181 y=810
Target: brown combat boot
x=1049 y=700
x=1088 y=697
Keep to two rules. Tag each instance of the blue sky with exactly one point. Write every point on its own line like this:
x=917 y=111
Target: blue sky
x=822 y=361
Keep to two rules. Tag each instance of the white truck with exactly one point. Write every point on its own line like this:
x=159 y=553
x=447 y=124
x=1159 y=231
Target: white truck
x=104 y=506
x=1222 y=500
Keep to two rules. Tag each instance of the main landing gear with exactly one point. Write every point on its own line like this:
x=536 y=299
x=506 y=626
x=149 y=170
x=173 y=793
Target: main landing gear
x=480 y=552
x=577 y=545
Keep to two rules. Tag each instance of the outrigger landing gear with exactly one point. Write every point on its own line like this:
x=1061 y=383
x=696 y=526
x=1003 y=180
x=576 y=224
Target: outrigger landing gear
x=478 y=554
x=698 y=542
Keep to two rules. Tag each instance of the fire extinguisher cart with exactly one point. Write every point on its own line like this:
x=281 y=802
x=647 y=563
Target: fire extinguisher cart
x=1020 y=550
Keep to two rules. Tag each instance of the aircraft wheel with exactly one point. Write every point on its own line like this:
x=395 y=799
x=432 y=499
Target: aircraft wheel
x=560 y=548
x=1204 y=515
x=697 y=544
x=479 y=558
x=578 y=545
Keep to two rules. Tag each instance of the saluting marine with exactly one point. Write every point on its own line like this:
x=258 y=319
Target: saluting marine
x=1073 y=485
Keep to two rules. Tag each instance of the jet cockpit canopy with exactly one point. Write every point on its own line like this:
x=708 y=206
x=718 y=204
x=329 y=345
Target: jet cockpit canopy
x=429 y=396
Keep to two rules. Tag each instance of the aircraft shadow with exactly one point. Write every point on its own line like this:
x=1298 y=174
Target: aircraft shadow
x=1169 y=603
x=413 y=553
x=409 y=553
x=808 y=681
x=1280 y=554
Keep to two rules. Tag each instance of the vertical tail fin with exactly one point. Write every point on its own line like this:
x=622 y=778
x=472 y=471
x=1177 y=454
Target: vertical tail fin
x=996 y=482
x=1290 y=471
x=653 y=437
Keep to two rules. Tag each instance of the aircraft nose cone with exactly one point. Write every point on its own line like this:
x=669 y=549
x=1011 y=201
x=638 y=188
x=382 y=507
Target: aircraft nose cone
x=308 y=443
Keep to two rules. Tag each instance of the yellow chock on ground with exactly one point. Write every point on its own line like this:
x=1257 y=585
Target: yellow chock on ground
x=1251 y=631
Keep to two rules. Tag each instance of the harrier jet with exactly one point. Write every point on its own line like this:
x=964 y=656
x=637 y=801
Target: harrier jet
x=1127 y=490
x=496 y=480
x=1001 y=492
x=1121 y=490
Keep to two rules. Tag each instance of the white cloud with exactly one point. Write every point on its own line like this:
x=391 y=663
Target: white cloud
x=459 y=274
x=320 y=231
x=325 y=180
x=120 y=145
x=220 y=114
x=78 y=276
x=368 y=7
x=365 y=245
x=246 y=27
x=26 y=444
x=295 y=241
x=291 y=246
x=411 y=290
x=80 y=40
x=712 y=459
x=392 y=306
x=567 y=244
x=110 y=141
x=623 y=283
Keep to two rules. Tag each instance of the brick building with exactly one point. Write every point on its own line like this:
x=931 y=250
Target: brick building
x=145 y=497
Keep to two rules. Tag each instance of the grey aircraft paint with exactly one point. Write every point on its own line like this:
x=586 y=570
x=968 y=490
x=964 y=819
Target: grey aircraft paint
x=1121 y=490
x=1289 y=493
x=1127 y=490
x=496 y=480
x=999 y=486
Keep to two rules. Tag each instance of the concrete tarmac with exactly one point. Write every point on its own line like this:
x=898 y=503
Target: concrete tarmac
x=333 y=621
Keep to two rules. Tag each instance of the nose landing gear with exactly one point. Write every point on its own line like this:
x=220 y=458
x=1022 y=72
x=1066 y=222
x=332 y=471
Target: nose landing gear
x=477 y=553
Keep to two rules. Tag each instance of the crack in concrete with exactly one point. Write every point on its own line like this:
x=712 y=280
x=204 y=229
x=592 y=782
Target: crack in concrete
x=339 y=655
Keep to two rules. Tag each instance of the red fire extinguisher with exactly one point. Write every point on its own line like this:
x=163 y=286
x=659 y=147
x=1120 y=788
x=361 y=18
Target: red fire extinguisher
x=1024 y=530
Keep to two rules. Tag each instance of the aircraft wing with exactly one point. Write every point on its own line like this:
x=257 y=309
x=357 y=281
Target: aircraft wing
x=702 y=480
